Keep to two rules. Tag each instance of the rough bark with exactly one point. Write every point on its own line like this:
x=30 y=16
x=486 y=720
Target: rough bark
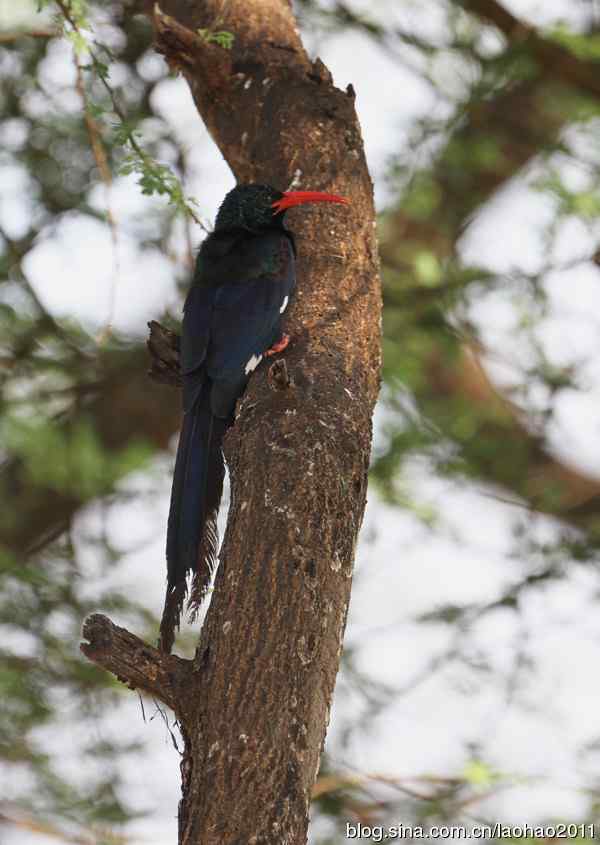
x=255 y=704
x=133 y=661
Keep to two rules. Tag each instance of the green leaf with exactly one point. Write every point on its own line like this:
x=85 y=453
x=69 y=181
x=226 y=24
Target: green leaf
x=80 y=44
x=479 y=775
x=584 y=46
x=222 y=38
x=422 y=197
x=428 y=269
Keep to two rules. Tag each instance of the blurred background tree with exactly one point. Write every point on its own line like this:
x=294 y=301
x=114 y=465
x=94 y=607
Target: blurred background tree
x=468 y=691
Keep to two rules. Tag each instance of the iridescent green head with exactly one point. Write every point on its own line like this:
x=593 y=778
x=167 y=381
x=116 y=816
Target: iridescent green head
x=248 y=207
x=256 y=207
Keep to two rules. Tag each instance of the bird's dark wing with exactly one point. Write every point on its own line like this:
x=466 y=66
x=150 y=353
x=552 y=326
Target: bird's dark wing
x=195 y=337
x=246 y=317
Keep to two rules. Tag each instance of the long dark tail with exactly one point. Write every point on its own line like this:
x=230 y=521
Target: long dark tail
x=192 y=540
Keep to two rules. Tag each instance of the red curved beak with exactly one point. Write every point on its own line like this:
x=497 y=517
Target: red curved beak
x=291 y=198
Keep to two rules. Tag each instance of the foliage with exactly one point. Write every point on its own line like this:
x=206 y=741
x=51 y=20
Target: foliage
x=220 y=37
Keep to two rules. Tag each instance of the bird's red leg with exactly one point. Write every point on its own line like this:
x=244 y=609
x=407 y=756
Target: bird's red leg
x=279 y=346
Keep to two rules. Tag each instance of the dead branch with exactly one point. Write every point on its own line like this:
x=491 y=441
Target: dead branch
x=134 y=662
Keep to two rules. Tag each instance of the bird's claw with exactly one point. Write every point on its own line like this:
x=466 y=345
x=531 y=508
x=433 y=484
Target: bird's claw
x=279 y=346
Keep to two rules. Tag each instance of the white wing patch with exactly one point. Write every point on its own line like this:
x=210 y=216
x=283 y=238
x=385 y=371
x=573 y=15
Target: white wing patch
x=253 y=363
x=284 y=305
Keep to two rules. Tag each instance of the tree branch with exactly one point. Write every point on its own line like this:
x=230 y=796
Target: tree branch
x=496 y=14
x=134 y=662
x=555 y=61
x=16 y=35
x=521 y=119
x=184 y=49
x=542 y=480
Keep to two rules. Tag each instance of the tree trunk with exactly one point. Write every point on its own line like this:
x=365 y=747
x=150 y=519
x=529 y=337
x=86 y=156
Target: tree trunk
x=254 y=704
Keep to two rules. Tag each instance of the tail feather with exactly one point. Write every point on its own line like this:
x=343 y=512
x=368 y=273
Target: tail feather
x=192 y=541
x=209 y=543
x=171 y=615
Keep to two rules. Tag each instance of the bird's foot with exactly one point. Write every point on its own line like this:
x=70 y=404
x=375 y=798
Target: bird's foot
x=279 y=346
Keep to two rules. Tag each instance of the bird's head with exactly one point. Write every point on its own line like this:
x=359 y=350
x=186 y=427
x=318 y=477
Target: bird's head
x=256 y=207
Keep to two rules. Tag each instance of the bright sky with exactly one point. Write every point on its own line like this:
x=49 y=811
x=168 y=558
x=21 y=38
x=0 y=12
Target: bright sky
x=403 y=568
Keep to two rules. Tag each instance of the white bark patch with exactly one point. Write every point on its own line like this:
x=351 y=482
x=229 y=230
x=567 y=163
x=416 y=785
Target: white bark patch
x=295 y=183
x=304 y=652
x=253 y=363
x=284 y=305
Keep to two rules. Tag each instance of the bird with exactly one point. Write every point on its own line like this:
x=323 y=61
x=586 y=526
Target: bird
x=243 y=281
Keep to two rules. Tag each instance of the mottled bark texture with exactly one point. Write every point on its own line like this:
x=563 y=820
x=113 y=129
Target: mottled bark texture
x=255 y=705
x=164 y=676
